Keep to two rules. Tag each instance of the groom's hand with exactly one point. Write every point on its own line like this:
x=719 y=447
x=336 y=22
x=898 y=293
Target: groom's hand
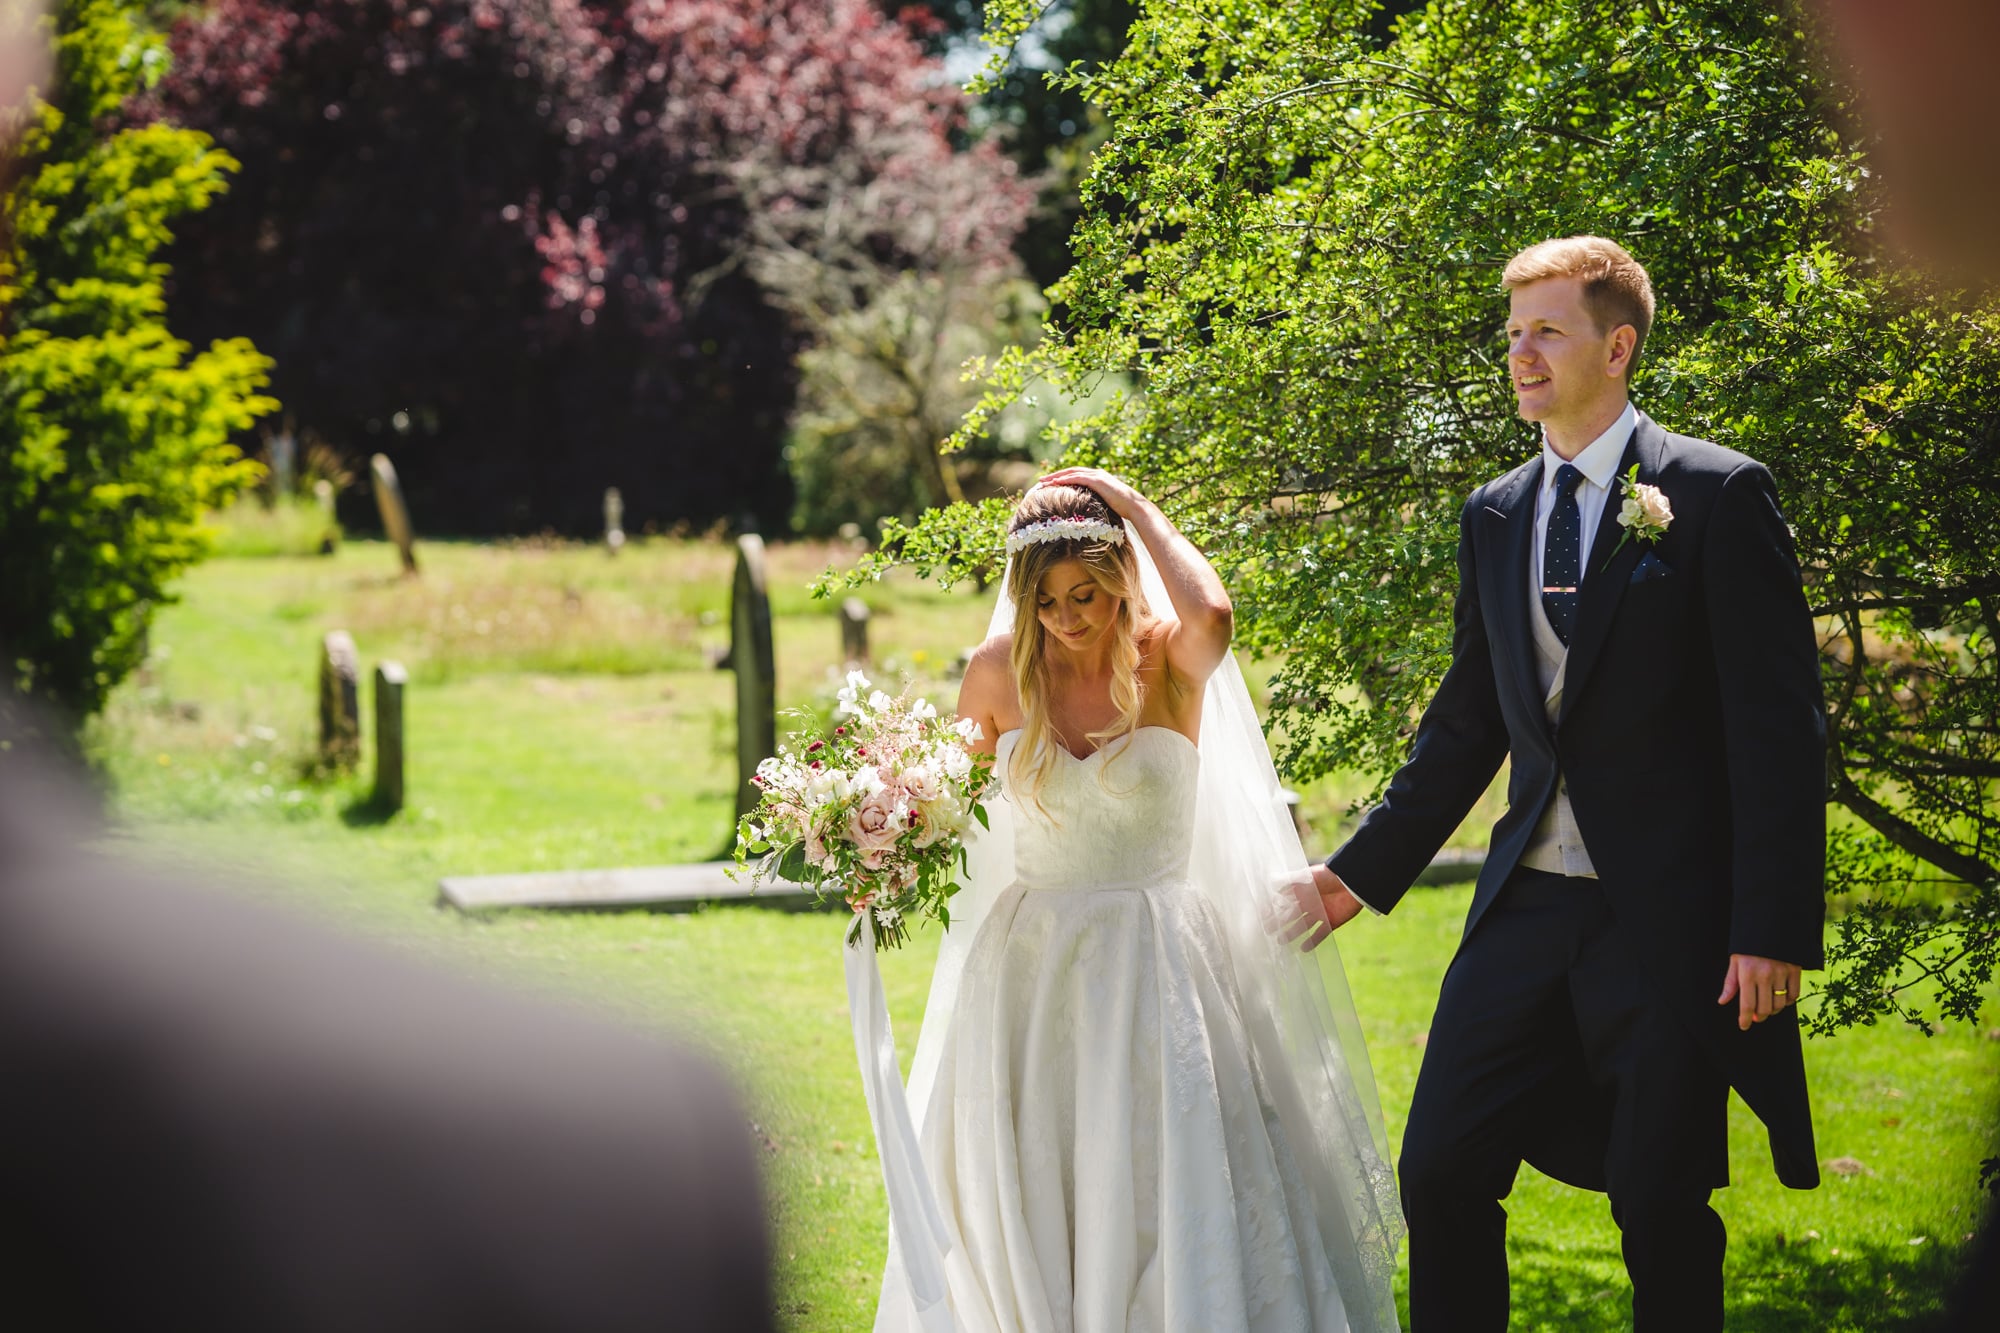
x=1308 y=908
x=1335 y=898
x=1760 y=987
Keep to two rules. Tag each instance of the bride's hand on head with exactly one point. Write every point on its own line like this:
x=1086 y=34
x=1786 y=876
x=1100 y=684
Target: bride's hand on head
x=1124 y=501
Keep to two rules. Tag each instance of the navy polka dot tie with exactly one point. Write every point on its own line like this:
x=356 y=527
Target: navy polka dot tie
x=1562 y=554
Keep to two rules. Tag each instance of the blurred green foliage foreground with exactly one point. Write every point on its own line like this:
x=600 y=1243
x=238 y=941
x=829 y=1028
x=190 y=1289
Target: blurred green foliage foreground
x=115 y=436
x=562 y=715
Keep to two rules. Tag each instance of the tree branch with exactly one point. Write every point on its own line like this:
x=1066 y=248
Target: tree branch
x=1911 y=838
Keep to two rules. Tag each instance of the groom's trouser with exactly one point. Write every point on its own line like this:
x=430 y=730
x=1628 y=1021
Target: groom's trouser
x=1548 y=1047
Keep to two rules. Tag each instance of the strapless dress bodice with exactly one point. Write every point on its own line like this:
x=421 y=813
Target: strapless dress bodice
x=1122 y=818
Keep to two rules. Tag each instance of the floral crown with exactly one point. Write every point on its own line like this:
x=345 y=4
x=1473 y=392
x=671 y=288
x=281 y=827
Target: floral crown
x=1064 y=530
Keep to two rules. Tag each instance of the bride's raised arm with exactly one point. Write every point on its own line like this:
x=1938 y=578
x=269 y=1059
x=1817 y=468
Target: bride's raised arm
x=1203 y=619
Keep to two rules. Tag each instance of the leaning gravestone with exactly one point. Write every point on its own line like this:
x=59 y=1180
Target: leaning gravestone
x=752 y=659
x=614 y=520
x=395 y=514
x=854 y=631
x=339 y=702
x=390 y=678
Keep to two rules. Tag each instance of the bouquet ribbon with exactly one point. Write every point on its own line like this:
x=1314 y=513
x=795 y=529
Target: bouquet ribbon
x=919 y=1239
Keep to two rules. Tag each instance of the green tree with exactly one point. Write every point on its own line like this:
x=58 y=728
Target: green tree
x=115 y=439
x=1291 y=240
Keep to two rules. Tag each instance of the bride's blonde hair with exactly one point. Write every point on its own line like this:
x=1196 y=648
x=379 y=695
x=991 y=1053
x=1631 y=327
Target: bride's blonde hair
x=1115 y=570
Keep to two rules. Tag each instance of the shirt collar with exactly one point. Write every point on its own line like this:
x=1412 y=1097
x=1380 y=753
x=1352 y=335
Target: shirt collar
x=1599 y=461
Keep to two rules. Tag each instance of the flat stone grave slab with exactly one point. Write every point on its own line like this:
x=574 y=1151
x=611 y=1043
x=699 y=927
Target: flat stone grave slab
x=670 y=888
x=686 y=887
x=1453 y=865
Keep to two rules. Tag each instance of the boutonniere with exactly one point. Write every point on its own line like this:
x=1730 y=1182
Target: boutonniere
x=1645 y=513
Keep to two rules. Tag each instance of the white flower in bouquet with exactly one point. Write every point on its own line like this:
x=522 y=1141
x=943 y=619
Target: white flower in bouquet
x=921 y=782
x=956 y=763
x=829 y=785
x=849 y=695
x=944 y=817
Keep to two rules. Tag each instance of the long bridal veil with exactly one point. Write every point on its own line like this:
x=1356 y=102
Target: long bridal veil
x=1296 y=1006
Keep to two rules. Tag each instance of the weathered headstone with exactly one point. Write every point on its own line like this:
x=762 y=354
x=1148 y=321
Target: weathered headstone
x=323 y=497
x=390 y=678
x=752 y=659
x=339 y=702
x=395 y=514
x=614 y=519
x=854 y=631
x=284 y=462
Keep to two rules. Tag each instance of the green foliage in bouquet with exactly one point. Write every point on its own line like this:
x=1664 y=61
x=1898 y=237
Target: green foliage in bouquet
x=115 y=440
x=874 y=812
x=1291 y=243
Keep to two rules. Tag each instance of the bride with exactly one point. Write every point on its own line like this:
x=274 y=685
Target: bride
x=1134 y=1108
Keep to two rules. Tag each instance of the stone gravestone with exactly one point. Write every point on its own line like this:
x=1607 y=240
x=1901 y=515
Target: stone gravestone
x=323 y=497
x=339 y=702
x=751 y=658
x=395 y=514
x=390 y=678
x=614 y=520
x=284 y=462
x=854 y=631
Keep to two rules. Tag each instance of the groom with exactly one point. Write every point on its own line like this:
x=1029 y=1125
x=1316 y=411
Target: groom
x=1638 y=645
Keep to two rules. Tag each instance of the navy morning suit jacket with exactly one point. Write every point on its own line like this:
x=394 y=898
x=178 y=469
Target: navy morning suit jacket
x=1691 y=731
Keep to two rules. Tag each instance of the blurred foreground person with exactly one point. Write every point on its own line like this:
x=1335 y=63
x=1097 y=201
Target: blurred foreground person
x=1925 y=73
x=214 y=1117
x=1924 y=69
x=24 y=52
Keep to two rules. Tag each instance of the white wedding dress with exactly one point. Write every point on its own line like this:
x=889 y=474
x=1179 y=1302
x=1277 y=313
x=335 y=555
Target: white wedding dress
x=1105 y=1152
x=1133 y=1106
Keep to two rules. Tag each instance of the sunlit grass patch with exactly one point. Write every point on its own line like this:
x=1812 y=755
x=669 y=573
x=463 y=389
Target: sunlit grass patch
x=289 y=525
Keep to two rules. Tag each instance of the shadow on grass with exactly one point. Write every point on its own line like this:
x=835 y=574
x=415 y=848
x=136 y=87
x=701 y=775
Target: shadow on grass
x=1770 y=1287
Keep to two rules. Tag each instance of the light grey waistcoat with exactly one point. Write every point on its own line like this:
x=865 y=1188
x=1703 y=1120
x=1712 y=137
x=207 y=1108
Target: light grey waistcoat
x=1556 y=845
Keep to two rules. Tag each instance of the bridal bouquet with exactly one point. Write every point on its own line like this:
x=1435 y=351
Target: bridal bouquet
x=876 y=811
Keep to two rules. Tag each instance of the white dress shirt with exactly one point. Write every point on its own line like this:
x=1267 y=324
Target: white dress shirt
x=1556 y=845
x=1599 y=465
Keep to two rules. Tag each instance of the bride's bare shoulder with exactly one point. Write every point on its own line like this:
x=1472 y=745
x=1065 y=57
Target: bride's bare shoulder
x=991 y=658
x=987 y=692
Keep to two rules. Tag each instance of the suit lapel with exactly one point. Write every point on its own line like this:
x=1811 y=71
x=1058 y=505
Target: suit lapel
x=1514 y=502
x=1605 y=581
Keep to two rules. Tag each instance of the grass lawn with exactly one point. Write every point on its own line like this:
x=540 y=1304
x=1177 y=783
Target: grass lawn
x=561 y=715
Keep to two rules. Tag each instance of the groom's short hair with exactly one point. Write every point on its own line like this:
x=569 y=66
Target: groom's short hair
x=1616 y=289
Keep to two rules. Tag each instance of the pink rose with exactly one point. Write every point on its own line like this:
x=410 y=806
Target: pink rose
x=877 y=821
